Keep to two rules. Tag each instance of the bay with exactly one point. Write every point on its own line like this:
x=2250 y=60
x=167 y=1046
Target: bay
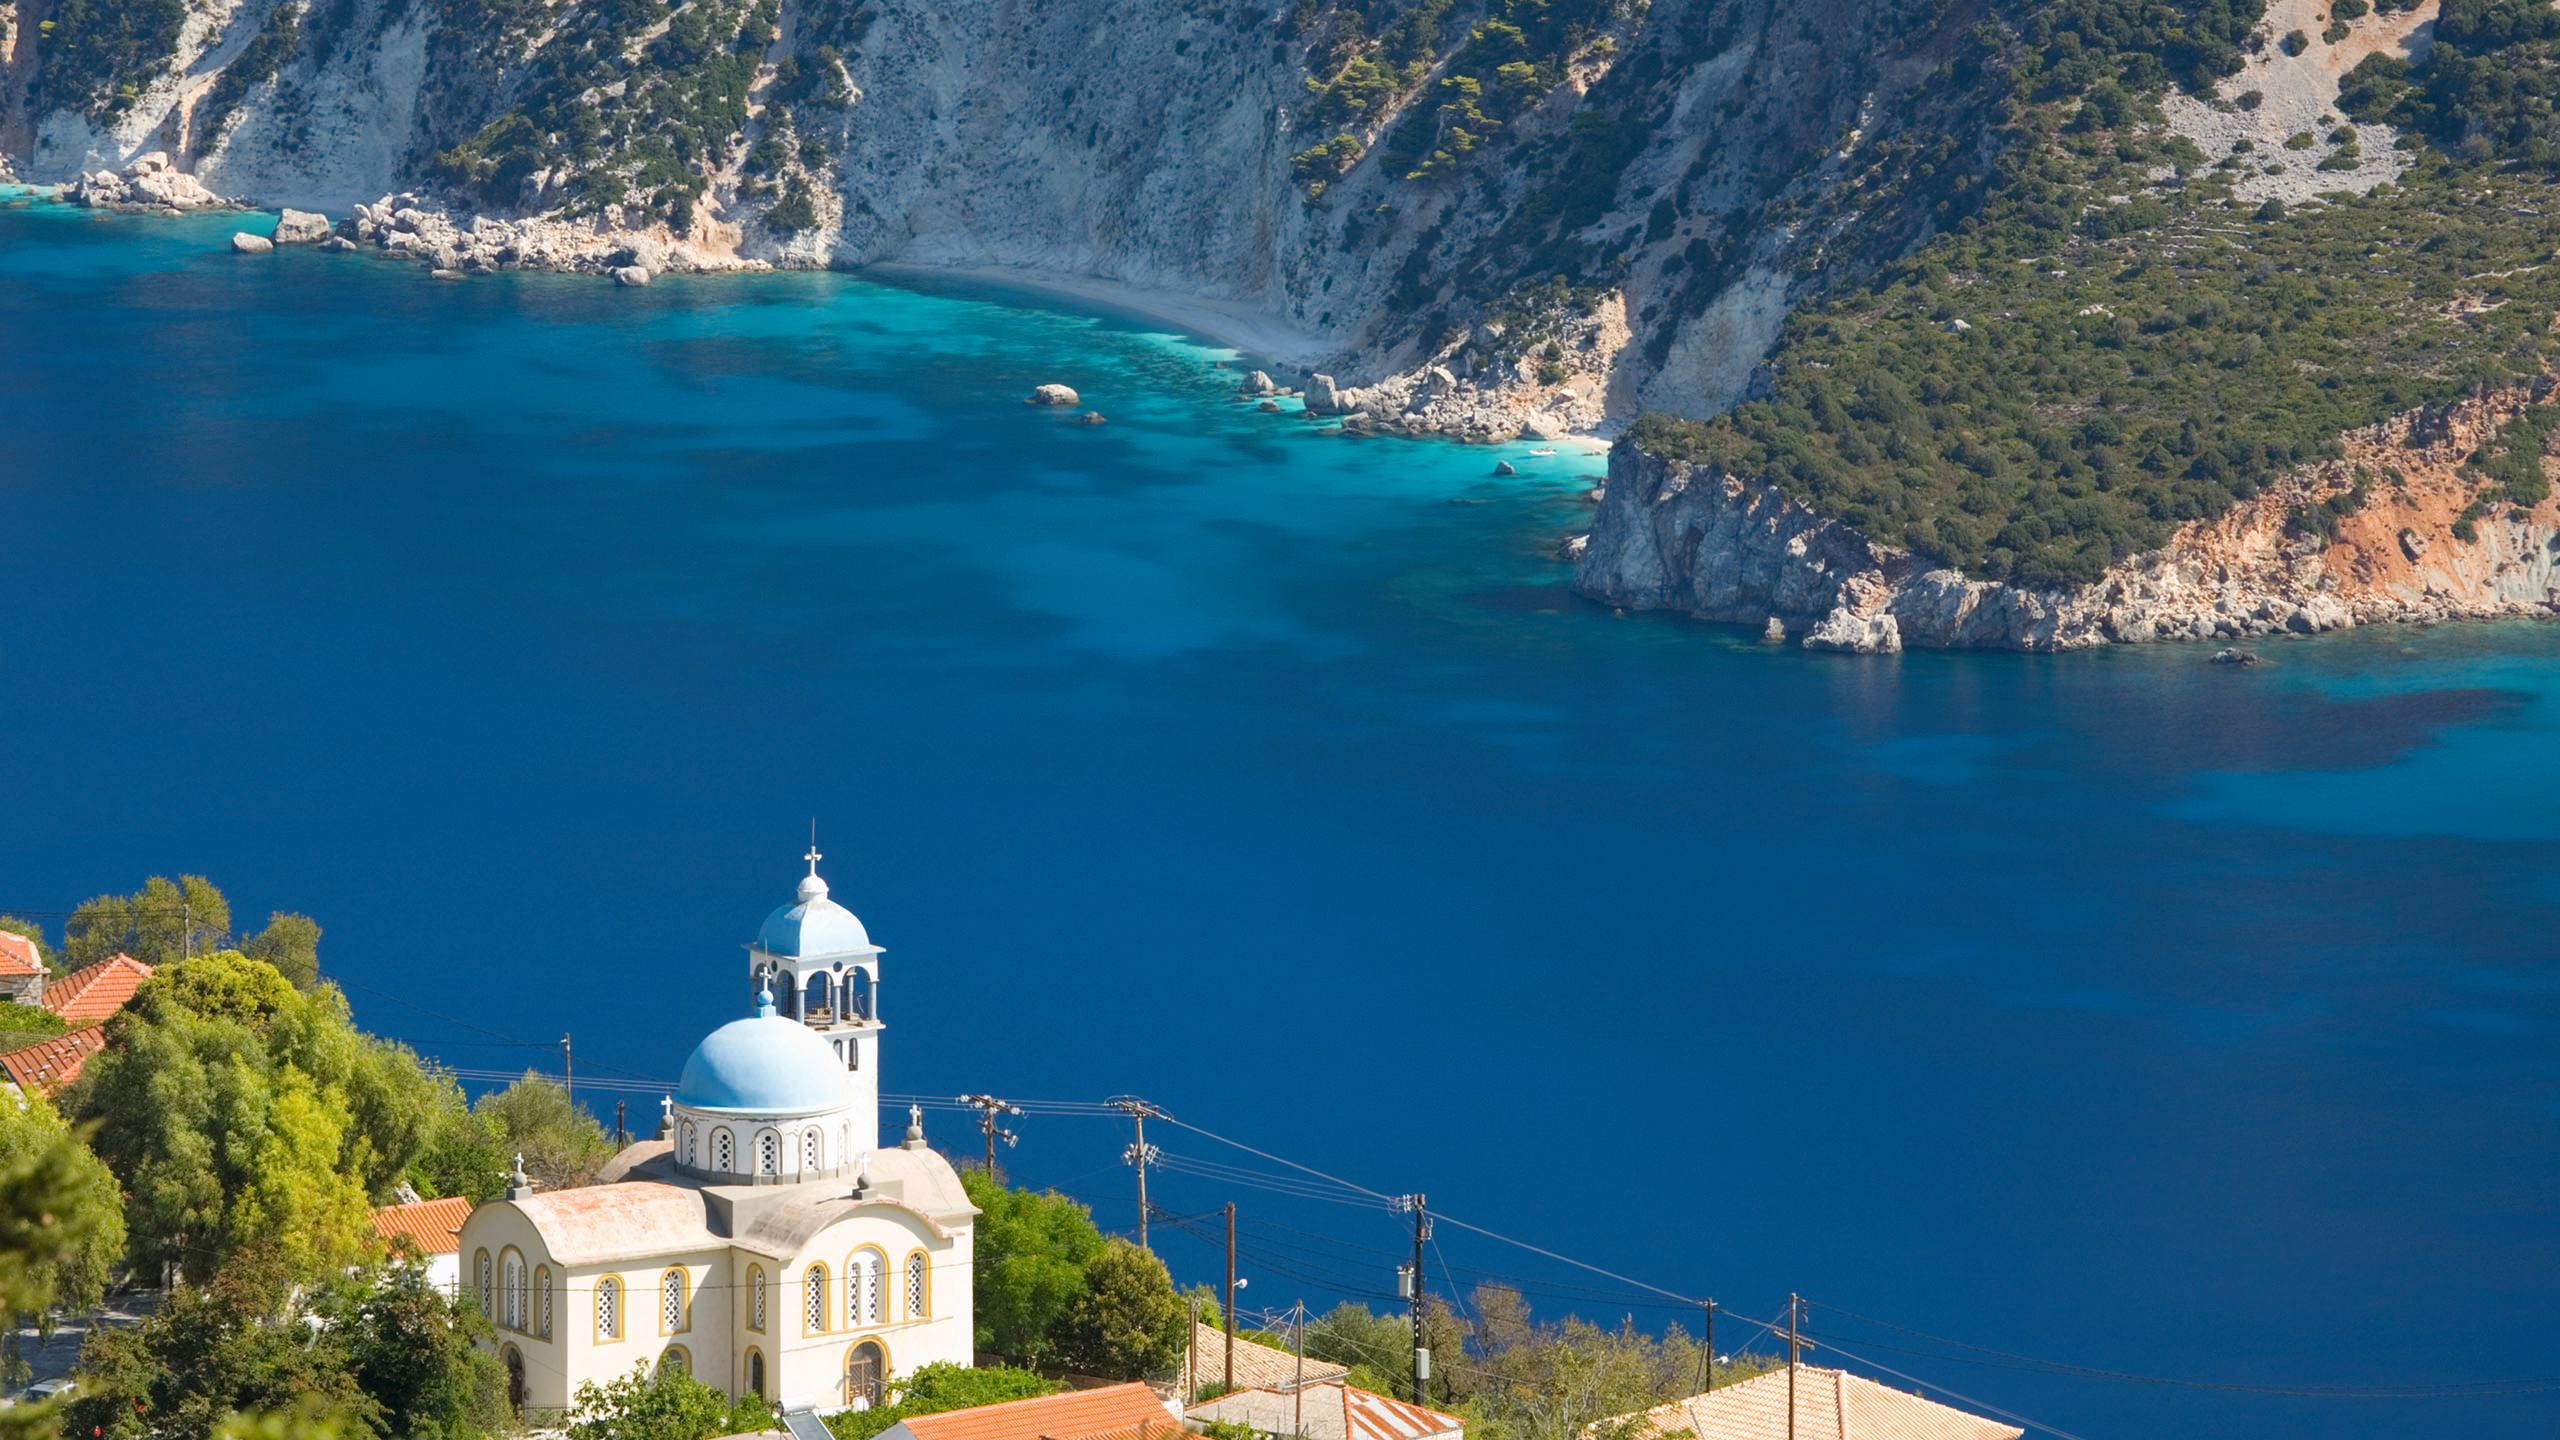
x=2113 y=1008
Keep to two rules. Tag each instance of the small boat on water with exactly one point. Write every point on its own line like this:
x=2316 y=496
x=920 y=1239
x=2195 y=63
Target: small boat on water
x=1550 y=450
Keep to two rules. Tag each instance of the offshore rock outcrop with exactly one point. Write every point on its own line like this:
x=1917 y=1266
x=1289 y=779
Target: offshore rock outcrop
x=2426 y=542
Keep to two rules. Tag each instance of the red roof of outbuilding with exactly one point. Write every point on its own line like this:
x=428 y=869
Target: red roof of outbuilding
x=431 y=1225
x=94 y=992
x=18 y=955
x=48 y=1065
x=1111 y=1410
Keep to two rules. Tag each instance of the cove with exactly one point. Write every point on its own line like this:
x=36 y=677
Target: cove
x=2114 y=1008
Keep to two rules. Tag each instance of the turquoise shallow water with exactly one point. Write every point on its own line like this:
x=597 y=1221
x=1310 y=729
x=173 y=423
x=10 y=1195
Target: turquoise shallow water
x=2116 y=1008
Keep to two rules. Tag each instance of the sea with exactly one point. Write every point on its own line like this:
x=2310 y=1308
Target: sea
x=2137 y=1046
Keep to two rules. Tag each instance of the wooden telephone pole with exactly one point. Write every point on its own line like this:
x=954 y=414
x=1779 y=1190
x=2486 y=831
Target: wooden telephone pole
x=989 y=1107
x=1795 y=1348
x=1421 y=1351
x=1140 y=1154
x=1231 y=1298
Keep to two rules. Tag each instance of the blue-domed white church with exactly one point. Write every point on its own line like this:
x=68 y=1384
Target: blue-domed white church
x=765 y=1240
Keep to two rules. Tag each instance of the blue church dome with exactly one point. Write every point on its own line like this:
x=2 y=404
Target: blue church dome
x=767 y=1065
x=814 y=926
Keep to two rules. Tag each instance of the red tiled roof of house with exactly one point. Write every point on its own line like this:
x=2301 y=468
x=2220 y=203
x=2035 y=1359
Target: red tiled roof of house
x=94 y=992
x=1829 y=1405
x=1075 y=1415
x=431 y=1225
x=18 y=955
x=48 y=1065
x=1329 y=1411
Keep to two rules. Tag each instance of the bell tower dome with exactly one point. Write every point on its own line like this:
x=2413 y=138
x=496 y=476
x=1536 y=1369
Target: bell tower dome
x=825 y=974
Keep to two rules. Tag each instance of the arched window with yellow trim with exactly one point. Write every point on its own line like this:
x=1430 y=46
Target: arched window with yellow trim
x=756 y=1299
x=866 y=1287
x=542 y=1299
x=672 y=1295
x=676 y=1359
x=513 y=1313
x=608 y=1309
x=755 y=1373
x=487 y=1286
x=919 y=1287
x=813 y=1304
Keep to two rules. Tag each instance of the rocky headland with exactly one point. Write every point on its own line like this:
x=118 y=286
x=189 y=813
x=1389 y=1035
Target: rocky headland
x=2413 y=535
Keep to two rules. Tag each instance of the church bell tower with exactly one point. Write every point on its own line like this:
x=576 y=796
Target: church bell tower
x=825 y=973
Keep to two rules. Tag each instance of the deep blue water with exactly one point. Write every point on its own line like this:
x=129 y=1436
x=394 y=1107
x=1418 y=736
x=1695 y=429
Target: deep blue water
x=2114 y=1008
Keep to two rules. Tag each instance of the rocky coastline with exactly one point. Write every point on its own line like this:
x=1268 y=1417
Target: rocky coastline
x=2423 y=543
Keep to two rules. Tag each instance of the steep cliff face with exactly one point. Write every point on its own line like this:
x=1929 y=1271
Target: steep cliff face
x=1618 y=207
x=2404 y=527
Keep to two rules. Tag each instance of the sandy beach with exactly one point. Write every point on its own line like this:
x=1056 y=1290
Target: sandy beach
x=1243 y=325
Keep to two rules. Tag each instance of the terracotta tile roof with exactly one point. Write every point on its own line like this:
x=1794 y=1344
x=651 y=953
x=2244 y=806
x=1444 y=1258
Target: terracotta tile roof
x=94 y=992
x=1331 y=1411
x=1830 y=1405
x=1075 y=1415
x=627 y=1220
x=48 y=1065
x=431 y=1225
x=1258 y=1366
x=18 y=955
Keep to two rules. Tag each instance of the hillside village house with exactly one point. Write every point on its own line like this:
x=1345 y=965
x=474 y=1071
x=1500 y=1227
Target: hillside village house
x=82 y=1000
x=765 y=1241
x=431 y=1230
x=1826 y=1404
x=1110 y=1412
x=22 y=972
x=1329 y=1410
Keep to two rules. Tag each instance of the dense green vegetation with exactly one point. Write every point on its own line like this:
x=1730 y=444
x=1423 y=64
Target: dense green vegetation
x=374 y=1353
x=683 y=104
x=97 y=56
x=664 y=1404
x=2489 y=90
x=938 y=1387
x=2095 y=356
x=1053 y=1291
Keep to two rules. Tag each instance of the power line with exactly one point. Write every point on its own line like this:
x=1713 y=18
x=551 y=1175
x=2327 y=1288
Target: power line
x=2011 y=1416
x=2449 y=1390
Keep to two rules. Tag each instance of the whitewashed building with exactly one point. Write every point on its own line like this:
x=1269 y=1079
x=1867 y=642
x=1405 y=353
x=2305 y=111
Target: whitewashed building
x=765 y=1241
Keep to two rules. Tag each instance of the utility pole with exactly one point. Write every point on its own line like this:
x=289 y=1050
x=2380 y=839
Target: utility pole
x=1421 y=1352
x=1795 y=1344
x=989 y=1107
x=1298 y=1386
x=568 y=1072
x=1139 y=1154
x=1191 y=1358
x=1231 y=1298
x=1707 y=1353
x=621 y=1132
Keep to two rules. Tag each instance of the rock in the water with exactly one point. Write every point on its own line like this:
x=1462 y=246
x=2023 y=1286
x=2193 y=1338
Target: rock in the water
x=248 y=244
x=1505 y=467
x=301 y=227
x=1090 y=417
x=1053 y=395
x=2237 y=656
x=1256 y=383
x=1269 y=407
x=1775 y=630
x=631 y=275
x=1322 y=397
x=1858 y=634
x=339 y=244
